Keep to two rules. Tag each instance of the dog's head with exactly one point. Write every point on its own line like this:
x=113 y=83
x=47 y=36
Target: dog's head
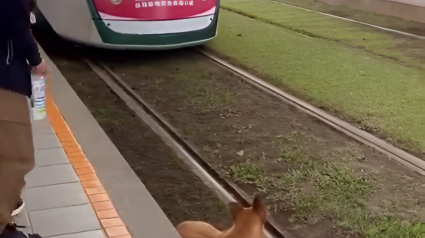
x=248 y=222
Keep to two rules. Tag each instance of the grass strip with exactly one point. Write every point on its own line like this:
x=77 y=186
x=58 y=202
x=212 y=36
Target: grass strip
x=380 y=95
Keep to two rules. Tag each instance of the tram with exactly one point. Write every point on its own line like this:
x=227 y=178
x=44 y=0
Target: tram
x=131 y=24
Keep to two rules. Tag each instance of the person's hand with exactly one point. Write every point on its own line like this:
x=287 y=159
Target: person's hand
x=40 y=69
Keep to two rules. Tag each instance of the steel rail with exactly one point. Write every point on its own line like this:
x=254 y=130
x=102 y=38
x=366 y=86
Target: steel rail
x=354 y=21
x=391 y=151
x=226 y=190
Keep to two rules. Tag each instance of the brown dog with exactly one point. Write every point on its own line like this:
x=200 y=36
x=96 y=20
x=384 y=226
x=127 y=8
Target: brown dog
x=247 y=223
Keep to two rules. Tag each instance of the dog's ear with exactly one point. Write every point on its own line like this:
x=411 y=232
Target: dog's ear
x=235 y=209
x=259 y=208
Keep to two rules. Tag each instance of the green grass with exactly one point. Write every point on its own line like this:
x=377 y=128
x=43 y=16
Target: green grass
x=423 y=229
x=318 y=188
x=363 y=16
x=196 y=83
x=358 y=86
x=102 y=114
x=202 y=91
x=320 y=26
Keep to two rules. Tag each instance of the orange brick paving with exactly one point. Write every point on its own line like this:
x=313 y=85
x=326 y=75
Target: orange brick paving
x=116 y=231
x=112 y=222
x=91 y=184
x=102 y=206
x=112 y=225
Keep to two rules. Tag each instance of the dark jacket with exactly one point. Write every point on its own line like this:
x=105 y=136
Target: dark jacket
x=11 y=231
x=17 y=46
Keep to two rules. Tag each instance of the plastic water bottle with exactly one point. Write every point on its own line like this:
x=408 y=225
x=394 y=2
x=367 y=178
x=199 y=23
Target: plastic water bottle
x=39 y=96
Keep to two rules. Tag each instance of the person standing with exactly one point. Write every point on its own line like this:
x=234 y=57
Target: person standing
x=19 y=57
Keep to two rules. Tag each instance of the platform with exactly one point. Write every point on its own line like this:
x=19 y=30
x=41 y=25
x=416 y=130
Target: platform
x=57 y=204
x=82 y=187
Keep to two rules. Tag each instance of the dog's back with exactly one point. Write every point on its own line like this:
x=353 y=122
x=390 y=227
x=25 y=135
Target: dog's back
x=197 y=229
x=247 y=223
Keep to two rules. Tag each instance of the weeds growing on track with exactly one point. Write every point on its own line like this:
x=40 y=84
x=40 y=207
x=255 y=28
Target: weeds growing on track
x=103 y=114
x=316 y=171
x=316 y=189
x=204 y=96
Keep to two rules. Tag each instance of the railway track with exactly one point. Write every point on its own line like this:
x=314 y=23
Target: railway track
x=391 y=151
x=226 y=190
x=354 y=21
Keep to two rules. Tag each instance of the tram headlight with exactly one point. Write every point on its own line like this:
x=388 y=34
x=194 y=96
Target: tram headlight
x=116 y=2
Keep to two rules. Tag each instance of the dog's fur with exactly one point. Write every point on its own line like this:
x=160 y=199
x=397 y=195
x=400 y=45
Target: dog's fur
x=247 y=223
